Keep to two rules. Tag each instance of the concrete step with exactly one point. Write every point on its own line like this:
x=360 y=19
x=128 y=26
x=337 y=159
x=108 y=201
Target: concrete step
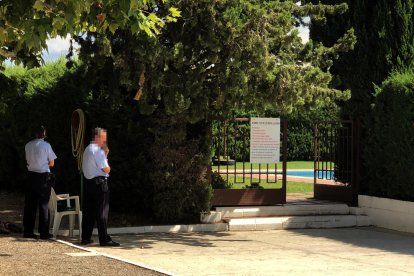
x=356 y=211
x=297 y=222
x=183 y=228
x=284 y=210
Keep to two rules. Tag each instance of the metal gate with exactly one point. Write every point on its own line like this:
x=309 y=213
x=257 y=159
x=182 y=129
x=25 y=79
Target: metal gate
x=336 y=161
x=231 y=142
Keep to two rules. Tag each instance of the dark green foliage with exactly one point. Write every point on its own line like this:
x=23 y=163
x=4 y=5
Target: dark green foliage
x=51 y=101
x=385 y=42
x=389 y=152
x=218 y=182
x=217 y=59
x=24 y=109
x=230 y=140
x=301 y=128
x=158 y=169
x=253 y=186
x=221 y=56
x=180 y=180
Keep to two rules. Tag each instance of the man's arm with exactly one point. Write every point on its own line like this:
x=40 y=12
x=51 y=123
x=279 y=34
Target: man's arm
x=51 y=156
x=103 y=161
x=105 y=149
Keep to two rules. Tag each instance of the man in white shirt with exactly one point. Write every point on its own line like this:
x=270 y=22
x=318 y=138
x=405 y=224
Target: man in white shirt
x=96 y=170
x=40 y=158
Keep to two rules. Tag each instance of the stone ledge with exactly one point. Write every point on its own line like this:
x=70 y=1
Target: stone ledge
x=285 y=210
x=297 y=222
x=215 y=227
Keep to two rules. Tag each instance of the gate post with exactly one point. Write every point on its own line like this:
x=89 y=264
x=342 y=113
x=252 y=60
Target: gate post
x=315 y=149
x=336 y=142
x=356 y=132
x=284 y=166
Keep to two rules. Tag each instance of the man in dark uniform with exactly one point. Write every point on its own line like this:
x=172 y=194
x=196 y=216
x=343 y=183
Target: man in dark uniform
x=40 y=158
x=96 y=170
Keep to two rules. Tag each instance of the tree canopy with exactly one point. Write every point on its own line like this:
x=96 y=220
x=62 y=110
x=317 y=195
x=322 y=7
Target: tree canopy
x=221 y=55
x=25 y=25
x=210 y=58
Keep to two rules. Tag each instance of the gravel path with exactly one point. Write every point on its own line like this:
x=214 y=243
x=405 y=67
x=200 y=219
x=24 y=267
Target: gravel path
x=19 y=256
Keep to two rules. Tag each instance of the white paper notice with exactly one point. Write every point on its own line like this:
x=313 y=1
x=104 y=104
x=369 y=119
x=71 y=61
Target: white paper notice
x=264 y=140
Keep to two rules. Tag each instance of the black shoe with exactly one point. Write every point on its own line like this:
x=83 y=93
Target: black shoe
x=30 y=236
x=85 y=242
x=46 y=236
x=110 y=243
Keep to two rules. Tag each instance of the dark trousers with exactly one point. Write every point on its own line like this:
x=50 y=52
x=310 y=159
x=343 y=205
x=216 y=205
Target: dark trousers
x=37 y=193
x=95 y=208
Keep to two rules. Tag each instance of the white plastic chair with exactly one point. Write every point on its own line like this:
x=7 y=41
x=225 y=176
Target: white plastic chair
x=56 y=216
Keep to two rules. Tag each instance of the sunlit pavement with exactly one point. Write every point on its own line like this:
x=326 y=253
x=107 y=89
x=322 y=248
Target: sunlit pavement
x=346 y=251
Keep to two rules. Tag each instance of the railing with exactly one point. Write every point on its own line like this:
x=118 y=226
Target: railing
x=231 y=145
x=334 y=166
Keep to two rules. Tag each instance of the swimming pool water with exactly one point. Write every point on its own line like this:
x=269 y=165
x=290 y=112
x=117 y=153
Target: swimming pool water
x=321 y=174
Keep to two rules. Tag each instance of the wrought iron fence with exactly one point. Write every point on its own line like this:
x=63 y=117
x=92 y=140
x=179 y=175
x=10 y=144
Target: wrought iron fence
x=231 y=150
x=336 y=161
x=333 y=151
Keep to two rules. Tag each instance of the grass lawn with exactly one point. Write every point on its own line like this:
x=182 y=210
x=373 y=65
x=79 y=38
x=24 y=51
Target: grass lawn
x=291 y=187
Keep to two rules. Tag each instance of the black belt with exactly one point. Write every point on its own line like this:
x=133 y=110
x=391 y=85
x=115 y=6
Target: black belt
x=100 y=177
x=38 y=172
x=101 y=181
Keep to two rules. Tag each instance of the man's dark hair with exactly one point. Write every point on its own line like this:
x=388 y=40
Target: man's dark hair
x=96 y=131
x=40 y=131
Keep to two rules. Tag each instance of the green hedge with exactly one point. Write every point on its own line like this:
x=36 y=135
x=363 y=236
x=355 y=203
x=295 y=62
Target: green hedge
x=301 y=127
x=139 y=183
x=33 y=97
x=389 y=151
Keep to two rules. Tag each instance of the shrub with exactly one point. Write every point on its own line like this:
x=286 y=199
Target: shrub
x=389 y=151
x=179 y=172
x=218 y=182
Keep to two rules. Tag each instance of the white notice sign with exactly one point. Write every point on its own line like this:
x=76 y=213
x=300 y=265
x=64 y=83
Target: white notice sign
x=264 y=140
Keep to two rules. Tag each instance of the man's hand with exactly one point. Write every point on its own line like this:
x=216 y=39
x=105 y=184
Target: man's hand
x=51 y=163
x=106 y=169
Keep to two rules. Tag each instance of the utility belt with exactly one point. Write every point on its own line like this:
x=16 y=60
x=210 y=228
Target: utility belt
x=102 y=182
x=50 y=177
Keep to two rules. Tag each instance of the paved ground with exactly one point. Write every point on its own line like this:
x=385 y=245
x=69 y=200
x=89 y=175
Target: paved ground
x=31 y=257
x=351 y=251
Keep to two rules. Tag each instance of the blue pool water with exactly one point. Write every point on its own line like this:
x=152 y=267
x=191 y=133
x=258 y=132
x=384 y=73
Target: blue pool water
x=327 y=175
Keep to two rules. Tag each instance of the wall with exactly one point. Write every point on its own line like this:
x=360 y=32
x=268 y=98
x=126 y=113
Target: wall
x=388 y=213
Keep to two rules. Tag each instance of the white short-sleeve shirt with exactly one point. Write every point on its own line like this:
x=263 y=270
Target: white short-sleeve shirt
x=38 y=154
x=94 y=160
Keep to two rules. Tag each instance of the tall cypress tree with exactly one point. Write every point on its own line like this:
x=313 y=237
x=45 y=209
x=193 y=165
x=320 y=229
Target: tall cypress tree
x=385 y=42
